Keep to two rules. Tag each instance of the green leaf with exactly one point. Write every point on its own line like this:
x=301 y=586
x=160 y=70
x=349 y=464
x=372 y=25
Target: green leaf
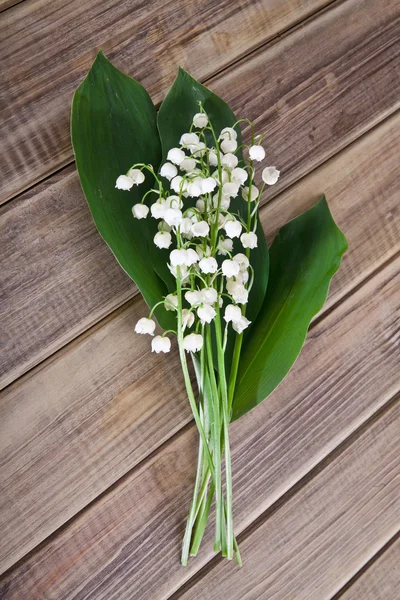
x=303 y=258
x=175 y=118
x=113 y=126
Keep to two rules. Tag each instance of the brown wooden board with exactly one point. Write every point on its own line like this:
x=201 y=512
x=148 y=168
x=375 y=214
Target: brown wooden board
x=47 y=47
x=380 y=581
x=312 y=544
x=85 y=417
x=4 y=4
x=50 y=244
x=126 y=545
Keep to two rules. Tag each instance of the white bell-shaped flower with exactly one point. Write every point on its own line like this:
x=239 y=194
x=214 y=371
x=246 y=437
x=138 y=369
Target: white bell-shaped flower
x=225 y=202
x=160 y=344
x=194 y=188
x=176 y=156
x=206 y=313
x=187 y=318
x=185 y=226
x=192 y=257
x=208 y=185
x=198 y=150
x=178 y=184
x=200 y=205
x=140 y=211
x=201 y=229
x=242 y=260
x=230 y=161
x=163 y=239
x=228 y=133
x=253 y=194
x=249 y=240
x=257 y=153
x=169 y=171
x=173 y=216
x=193 y=342
x=270 y=175
x=232 y=313
x=208 y=265
x=213 y=157
x=183 y=272
x=237 y=291
x=145 y=325
x=158 y=209
x=225 y=246
x=241 y=325
x=243 y=276
x=230 y=268
x=200 y=120
x=239 y=175
x=136 y=175
x=189 y=139
x=171 y=302
x=173 y=202
x=178 y=258
x=228 y=145
x=209 y=295
x=124 y=183
x=233 y=228
x=230 y=189
x=188 y=165
x=193 y=297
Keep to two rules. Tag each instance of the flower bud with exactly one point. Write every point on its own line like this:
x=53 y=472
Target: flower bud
x=270 y=175
x=124 y=183
x=140 y=211
x=189 y=139
x=200 y=120
x=163 y=239
x=145 y=325
x=168 y=170
x=193 y=342
x=160 y=344
x=257 y=153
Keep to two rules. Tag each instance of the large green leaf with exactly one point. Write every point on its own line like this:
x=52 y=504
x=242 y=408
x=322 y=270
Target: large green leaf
x=174 y=118
x=113 y=125
x=303 y=258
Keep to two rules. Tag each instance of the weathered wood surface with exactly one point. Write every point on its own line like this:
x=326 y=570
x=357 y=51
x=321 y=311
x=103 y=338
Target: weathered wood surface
x=87 y=401
x=8 y=4
x=126 y=546
x=380 y=581
x=51 y=247
x=309 y=547
x=47 y=47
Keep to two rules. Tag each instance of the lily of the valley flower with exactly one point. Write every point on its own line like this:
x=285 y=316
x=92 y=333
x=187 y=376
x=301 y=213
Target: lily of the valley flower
x=163 y=239
x=200 y=120
x=257 y=153
x=140 y=211
x=145 y=325
x=193 y=342
x=124 y=183
x=270 y=175
x=176 y=156
x=169 y=171
x=230 y=268
x=160 y=344
x=206 y=313
x=249 y=240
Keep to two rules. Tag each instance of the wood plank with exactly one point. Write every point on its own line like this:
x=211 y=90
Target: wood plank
x=311 y=545
x=126 y=545
x=380 y=581
x=4 y=4
x=70 y=267
x=47 y=47
x=86 y=400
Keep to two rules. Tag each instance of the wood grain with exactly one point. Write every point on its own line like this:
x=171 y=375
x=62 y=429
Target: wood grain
x=126 y=545
x=311 y=545
x=4 y=4
x=47 y=46
x=381 y=581
x=78 y=422
x=73 y=279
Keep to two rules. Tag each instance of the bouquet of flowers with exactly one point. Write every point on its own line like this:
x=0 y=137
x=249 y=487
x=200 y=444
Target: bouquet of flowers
x=176 y=196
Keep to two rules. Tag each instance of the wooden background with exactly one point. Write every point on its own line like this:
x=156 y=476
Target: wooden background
x=97 y=445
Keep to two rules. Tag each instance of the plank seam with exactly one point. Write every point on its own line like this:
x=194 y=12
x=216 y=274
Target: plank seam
x=367 y=565
x=290 y=493
x=188 y=425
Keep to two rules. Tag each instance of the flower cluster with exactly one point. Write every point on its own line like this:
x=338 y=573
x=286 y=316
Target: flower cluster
x=206 y=203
